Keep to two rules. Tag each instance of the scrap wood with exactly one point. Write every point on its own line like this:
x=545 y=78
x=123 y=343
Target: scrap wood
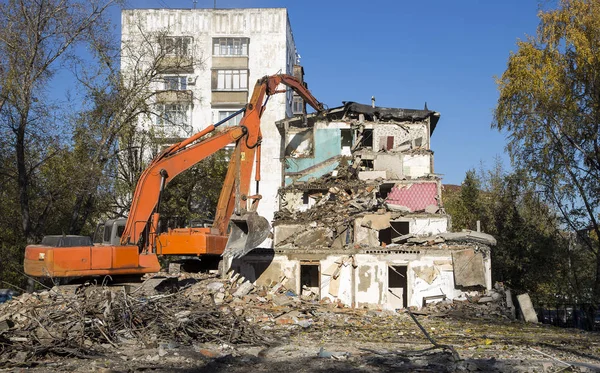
x=551 y=357
x=86 y=323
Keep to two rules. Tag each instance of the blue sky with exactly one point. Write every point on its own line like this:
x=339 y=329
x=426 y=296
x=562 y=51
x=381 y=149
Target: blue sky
x=406 y=53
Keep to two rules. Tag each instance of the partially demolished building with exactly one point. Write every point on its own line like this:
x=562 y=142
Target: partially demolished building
x=361 y=219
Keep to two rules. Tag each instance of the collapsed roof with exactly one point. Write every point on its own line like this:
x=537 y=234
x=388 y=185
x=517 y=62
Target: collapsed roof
x=354 y=109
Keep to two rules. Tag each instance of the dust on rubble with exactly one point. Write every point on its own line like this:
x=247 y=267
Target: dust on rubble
x=200 y=323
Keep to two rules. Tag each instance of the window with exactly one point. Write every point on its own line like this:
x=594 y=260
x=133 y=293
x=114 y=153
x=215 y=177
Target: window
x=176 y=45
x=175 y=83
x=231 y=122
x=346 y=141
x=230 y=46
x=298 y=105
x=173 y=114
x=232 y=80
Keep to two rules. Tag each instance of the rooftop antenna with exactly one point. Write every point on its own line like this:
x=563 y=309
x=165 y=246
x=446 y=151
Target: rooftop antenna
x=215 y=4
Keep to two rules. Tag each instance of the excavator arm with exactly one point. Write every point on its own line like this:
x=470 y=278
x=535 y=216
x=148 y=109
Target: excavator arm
x=79 y=257
x=143 y=216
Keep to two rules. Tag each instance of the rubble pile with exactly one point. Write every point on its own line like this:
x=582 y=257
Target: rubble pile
x=334 y=205
x=200 y=321
x=491 y=305
x=84 y=320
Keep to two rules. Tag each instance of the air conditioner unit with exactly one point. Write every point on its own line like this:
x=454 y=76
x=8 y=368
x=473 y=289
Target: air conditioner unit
x=191 y=80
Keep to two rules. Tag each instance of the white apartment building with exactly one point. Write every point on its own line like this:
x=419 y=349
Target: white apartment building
x=213 y=57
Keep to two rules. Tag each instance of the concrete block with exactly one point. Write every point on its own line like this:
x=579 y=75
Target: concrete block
x=243 y=289
x=529 y=314
x=377 y=221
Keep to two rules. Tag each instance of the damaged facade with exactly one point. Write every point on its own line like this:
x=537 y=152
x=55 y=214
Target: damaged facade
x=361 y=219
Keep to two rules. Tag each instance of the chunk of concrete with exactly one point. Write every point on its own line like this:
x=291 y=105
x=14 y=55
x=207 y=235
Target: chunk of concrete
x=363 y=235
x=243 y=289
x=527 y=310
x=470 y=236
x=175 y=269
x=432 y=209
x=376 y=221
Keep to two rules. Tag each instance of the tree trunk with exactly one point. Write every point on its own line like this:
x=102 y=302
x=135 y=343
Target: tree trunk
x=23 y=182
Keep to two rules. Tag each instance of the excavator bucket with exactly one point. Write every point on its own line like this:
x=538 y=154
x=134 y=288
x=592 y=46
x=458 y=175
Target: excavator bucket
x=247 y=232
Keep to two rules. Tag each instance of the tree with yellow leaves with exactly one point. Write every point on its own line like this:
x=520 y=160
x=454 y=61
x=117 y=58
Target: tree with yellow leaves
x=549 y=105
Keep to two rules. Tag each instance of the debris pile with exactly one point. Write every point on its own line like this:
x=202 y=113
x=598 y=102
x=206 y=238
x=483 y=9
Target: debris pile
x=85 y=320
x=330 y=206
x=491 y=305
x=199 y=321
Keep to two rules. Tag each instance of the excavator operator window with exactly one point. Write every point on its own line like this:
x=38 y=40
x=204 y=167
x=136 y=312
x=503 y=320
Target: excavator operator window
x=107 y=229
x=120 y=230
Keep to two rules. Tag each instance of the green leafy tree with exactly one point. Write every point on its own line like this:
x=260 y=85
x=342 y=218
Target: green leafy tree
x=530 y=249
x=464 y=204
x=549 y=105
x=193 y=195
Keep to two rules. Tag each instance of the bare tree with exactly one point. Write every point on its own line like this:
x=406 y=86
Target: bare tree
x=121 y=116
x=36 y=37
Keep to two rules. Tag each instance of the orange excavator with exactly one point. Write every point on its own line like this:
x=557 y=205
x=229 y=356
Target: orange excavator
x=132 y=246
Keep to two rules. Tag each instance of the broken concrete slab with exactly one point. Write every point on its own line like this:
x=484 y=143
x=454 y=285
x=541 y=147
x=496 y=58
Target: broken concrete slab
x=397 y=208
x=376 y=221
x=403 y=238
x=527 y=310
x=469 y=236
x=365 y=236
x=469 y=269
x=283 y=232
x=314 y=237
x=282 y=300
x=432 y=209
x=243 y=289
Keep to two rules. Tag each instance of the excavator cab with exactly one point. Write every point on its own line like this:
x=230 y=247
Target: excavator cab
x=247 y=231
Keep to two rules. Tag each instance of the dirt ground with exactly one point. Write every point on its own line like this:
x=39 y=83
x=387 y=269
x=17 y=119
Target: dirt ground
x=308 y=336
x=360 y=342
